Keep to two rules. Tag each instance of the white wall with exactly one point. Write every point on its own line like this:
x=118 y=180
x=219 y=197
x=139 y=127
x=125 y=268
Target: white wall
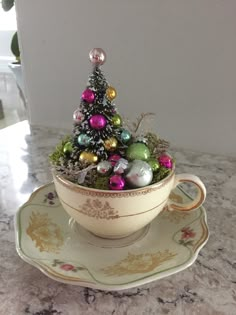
x=5 y=43
x=176 y=58
x=7 y=29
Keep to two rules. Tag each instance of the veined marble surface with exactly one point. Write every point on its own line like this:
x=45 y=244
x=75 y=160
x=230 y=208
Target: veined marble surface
x=208 y=287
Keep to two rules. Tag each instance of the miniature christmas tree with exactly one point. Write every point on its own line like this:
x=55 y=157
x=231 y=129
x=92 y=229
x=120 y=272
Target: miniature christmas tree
x=97 y=130
x=101 y=153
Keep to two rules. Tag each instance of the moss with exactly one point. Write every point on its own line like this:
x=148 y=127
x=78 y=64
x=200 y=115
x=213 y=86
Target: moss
x=152 y=141
x=162 y=173
x=102 y=183
x=58 y=153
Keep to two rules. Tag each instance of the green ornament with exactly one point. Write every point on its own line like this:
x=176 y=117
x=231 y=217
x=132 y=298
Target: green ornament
x=154 y=164
x=138 y=151
x=67 y=148
x=116 y=120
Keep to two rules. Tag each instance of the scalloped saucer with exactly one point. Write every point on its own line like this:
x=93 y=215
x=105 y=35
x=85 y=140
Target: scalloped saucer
x=47 y=238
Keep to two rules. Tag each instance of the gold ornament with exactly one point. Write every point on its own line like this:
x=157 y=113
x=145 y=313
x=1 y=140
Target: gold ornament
x=116 y=120
x=110 y=144
x=88 y=157
x=111 y=93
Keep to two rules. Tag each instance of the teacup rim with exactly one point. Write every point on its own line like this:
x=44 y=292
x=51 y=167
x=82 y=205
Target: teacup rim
x=148 y=188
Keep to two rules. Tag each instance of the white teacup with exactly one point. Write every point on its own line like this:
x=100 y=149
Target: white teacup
x=116 y=214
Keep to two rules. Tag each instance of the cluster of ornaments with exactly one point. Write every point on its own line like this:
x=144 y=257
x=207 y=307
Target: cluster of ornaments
x=129 y=164
x=135 y=172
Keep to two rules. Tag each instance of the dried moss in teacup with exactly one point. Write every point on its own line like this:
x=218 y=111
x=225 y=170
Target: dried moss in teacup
x=58 y=153
x=161 y=174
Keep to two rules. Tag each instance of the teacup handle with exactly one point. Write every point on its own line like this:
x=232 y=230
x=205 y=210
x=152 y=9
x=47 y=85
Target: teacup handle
x=198 y=200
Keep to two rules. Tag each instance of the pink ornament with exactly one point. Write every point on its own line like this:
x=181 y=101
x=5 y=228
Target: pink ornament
x=88 y=96
x=116 y=182
x=165 y=160
x=97 y=56
x=98 y=122
x=114 y=158
x=78 y=116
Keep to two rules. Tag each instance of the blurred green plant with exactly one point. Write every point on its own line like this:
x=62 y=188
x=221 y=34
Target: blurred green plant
x=15 y=47
x=7 y=5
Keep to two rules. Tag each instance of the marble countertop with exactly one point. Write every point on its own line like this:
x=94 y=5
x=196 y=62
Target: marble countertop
x=207 y=287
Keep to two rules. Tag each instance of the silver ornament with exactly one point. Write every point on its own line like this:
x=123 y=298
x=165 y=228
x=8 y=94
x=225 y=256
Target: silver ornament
x=141 y=139
x=104 y=167
x=139 y=174
x=121 y=166
x=78 y=116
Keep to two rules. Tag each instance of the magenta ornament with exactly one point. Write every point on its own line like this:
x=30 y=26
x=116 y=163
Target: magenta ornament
x=97 y=56
x=88 y=96
x=97 y=122
x=116 y=182
x=114 y=158
x=166 y=161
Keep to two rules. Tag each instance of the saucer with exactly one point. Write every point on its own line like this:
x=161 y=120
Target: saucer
x=47 y=238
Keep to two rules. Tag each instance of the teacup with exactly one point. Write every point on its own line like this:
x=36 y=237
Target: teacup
x=116 y=214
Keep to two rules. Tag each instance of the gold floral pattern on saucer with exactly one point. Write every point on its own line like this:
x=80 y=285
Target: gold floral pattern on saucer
x=47 y=235
x=46 y=239
x=140 y=263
